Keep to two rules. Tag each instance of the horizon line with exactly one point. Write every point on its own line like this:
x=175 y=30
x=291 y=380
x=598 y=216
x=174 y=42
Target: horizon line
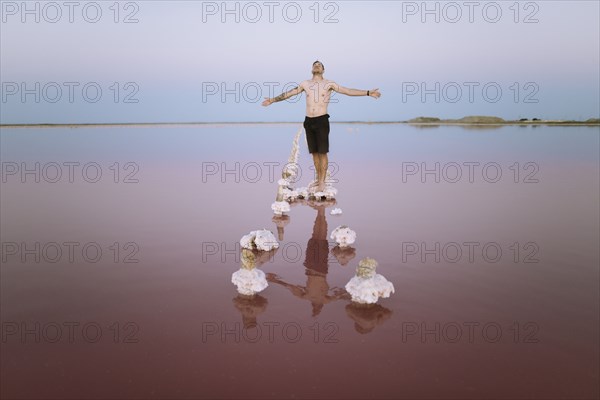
x=590 y=121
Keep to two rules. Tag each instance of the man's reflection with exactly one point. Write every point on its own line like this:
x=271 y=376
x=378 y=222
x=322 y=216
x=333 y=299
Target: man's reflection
x=366 y=317
x=317 y=289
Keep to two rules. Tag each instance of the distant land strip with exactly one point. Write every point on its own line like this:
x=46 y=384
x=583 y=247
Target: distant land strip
x=469 y=120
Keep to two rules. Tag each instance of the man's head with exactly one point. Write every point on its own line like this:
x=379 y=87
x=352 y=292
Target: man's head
x=318 y=67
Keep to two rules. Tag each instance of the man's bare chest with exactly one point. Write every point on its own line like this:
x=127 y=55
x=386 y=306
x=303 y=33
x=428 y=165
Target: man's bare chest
x=317 y=91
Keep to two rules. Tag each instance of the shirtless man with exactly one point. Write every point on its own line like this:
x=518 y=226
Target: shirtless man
x=316 y=124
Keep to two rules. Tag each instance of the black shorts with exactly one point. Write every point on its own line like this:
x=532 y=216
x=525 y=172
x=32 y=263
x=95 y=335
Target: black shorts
x=317 y=133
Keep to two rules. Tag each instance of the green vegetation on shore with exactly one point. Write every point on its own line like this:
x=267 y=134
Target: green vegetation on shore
x=482 y=119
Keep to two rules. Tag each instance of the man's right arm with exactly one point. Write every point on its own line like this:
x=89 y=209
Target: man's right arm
x=295 y=91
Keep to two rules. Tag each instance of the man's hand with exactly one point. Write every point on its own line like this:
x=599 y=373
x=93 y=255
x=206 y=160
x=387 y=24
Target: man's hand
x=283 y=96
x=272 y=277
x=374 y=93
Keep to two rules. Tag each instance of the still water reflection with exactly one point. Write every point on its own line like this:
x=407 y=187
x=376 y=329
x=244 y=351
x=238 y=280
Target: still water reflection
x=518 y=319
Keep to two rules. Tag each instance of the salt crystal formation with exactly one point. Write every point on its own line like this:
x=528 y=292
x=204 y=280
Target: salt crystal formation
x=249 y=280
x=368 y=286
x=290 y=195
x=343 y=236
x=280 y=207
x=263 y=240
x=328 y=193
x=336 y=211
x=285 y=193
x=302 y=192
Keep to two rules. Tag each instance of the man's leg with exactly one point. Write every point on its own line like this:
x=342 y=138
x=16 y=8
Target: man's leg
x=317 y=163
x=323 y=164
x=324 y=149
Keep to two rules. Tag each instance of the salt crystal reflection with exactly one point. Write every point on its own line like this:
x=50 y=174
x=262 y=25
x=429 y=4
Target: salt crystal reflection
x=248 y=302
x=250 y=307
x=316 y=290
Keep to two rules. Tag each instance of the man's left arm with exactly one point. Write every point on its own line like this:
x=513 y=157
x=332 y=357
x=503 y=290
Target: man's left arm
x=355 y=92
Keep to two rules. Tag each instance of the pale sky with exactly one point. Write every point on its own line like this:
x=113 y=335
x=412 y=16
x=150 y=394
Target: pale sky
x=179 y=57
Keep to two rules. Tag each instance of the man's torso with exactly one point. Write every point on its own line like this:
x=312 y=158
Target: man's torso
x=318 y=94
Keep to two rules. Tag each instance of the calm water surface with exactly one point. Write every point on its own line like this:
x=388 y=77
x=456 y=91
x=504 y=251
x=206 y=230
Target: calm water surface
x=118 y=251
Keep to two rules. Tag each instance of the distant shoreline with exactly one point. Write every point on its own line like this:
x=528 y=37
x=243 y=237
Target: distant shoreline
x=427 y=121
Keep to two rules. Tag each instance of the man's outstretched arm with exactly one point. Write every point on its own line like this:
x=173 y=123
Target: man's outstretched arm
x=355 y=92
x=295 y=91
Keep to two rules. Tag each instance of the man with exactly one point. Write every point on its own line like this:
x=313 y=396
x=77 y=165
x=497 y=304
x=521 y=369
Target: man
x=316 y=124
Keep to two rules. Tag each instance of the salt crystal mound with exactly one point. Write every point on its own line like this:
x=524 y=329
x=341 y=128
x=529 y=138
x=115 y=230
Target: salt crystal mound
x=302 y=192
x=285 y=192
x=263 y=240
x=343 y=236
x=280 y=207
x=336 y=211
x=367 y=286
x=290 y=195
x=247 y=241
x=283 y=182
x=369 y=290
x=290 y=171
x=249 y=281
x=330 y=192
x=254 y=258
